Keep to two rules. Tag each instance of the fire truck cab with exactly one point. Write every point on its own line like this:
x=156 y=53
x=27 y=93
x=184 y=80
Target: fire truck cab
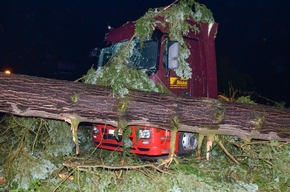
x=160 y=60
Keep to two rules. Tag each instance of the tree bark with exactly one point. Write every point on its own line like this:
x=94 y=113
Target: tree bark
x=64 y=100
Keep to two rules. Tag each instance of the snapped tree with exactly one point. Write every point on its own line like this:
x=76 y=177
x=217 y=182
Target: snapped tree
x=76 y=102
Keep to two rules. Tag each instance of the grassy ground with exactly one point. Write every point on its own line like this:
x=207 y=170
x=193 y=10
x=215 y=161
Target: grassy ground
x=38 y=155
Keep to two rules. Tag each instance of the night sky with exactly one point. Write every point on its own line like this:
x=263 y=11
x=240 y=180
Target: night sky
x=38 y=37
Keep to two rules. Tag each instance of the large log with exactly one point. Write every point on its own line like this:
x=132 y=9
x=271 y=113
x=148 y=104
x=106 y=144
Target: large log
x=64 y=100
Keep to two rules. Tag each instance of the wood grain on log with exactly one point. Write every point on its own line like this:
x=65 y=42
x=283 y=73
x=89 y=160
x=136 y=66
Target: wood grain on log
x=63 y=100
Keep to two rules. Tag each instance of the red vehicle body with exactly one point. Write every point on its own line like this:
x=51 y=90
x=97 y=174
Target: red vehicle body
x=155 y=141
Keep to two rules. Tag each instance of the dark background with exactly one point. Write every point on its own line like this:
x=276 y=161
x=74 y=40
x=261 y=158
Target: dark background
x=53 y=38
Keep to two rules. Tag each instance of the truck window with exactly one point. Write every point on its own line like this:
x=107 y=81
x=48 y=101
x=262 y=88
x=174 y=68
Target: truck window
x=143 y=57
x=107 y=52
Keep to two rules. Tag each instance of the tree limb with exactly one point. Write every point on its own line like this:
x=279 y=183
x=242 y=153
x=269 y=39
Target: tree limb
x=64 y=100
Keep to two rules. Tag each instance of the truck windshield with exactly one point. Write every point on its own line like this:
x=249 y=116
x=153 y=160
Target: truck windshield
x=143 y=57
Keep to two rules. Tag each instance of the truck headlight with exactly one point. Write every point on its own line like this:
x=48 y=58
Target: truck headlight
x=144 y=134
x=95 y=130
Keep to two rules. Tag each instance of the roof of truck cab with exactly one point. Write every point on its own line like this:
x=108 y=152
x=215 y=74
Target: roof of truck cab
x=127 y=31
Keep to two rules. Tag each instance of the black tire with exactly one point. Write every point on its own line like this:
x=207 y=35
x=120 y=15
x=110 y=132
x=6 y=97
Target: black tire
x=187 y=143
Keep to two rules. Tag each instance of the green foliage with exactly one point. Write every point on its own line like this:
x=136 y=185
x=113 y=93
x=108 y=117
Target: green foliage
x=202 y=13
x=176 y=17
x=143 y=27
x=122 y=105
x=32 y=148
x=246 y=99
x=263 y=164
x=33 y=186
x=99 y=179
x=280 y=104
x=74 y=98
x=126 y=142
x=121 y=77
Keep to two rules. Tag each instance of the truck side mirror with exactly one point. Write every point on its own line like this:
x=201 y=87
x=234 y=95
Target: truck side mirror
x=173 y=55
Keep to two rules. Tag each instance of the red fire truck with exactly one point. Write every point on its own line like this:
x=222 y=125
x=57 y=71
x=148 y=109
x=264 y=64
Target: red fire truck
x=159 y=59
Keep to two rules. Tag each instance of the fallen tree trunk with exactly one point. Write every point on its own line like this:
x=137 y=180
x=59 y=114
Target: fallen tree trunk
x=64 y=100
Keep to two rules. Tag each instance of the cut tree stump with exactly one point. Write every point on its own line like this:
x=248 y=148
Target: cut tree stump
x=64 y=100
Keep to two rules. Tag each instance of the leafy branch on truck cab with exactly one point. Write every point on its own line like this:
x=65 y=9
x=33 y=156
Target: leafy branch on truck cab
x=122 y=78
